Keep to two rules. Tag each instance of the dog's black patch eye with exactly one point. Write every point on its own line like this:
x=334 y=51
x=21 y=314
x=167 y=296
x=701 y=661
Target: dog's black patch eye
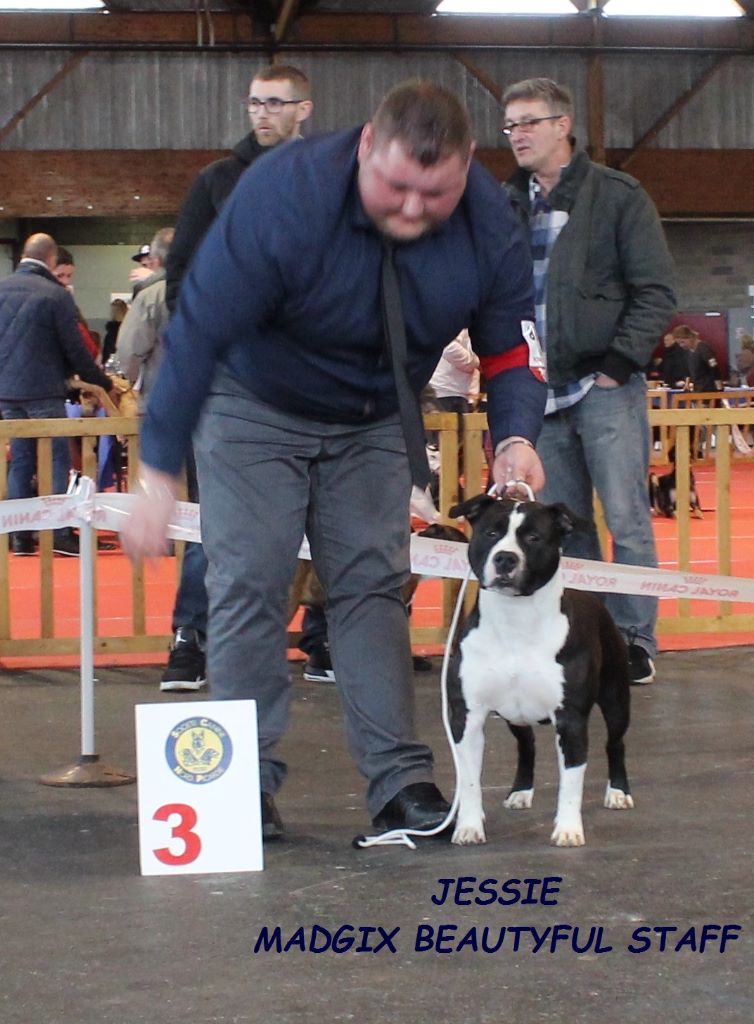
x=531 y=537
x=492 y=532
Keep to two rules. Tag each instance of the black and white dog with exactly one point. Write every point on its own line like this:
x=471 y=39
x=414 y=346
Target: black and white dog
x=663 y=492
x=534 y=652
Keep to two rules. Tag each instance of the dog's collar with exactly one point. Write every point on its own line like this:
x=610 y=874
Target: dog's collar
x=514 y=486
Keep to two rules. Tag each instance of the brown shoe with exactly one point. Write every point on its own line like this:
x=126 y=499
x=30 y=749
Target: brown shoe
x=272 y=823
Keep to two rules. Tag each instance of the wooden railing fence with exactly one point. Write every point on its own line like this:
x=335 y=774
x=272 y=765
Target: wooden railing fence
x=677 y=424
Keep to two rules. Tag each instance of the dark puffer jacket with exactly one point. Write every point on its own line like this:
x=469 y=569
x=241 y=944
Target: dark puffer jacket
x=40 y=342
x=202 y=204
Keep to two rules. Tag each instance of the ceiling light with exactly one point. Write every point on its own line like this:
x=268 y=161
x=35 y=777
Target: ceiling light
x=51 y=6
x=673 y=8
x=506 y=7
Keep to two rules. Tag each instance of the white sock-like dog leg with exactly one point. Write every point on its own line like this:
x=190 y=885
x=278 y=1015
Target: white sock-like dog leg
x=469 y=827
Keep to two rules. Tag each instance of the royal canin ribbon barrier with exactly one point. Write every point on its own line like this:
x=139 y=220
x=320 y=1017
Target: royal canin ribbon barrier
x=432 y=558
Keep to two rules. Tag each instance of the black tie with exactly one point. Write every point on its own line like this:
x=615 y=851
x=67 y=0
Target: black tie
x=395 y=339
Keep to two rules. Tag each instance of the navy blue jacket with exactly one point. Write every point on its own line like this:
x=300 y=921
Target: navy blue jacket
x=284 y=294
x=40 y=342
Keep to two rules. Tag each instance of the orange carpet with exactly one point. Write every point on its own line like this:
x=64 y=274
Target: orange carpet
x=114 y=589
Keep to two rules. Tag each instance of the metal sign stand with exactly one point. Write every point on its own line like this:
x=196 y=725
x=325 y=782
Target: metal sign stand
x=88 y=770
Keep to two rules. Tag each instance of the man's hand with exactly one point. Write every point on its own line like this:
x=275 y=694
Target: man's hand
x=422 y=506
x=603 y=381
x=144 y=534
x=139 y=274
x=518 y=461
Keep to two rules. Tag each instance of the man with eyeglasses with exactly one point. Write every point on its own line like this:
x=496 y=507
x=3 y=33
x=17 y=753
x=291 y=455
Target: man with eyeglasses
x=603 y=278
x=278 y=102
x=301 y=332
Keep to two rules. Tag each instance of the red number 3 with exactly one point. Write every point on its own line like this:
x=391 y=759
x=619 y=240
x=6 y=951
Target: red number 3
x=192 y=844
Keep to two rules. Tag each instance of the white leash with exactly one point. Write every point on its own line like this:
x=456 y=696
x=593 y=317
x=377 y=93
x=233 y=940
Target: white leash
x=402 y=836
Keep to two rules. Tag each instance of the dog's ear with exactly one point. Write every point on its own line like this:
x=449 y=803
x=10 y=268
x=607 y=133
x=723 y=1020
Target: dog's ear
x=472 y=508
x=565 y=521
x=439 y=531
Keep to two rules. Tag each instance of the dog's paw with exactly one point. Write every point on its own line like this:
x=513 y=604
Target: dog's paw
x=617 y=800
x=519 y=800
x=572 y=835
x=469 y=835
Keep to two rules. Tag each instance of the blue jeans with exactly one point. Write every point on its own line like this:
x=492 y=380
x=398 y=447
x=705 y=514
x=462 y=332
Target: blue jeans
x=23 y=450
x=602 y=444
x=191 y=602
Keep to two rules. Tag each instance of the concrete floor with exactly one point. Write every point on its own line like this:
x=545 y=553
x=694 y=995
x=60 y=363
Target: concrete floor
x=85 y=940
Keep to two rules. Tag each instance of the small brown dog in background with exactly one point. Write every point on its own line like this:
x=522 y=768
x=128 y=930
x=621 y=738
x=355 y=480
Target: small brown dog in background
x=306 y=588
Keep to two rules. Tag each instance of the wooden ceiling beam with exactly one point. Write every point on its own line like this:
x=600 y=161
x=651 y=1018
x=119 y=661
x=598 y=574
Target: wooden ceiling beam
x=487 y=82
x=673 y=110
x=285 y=18
x=70 y=65
x=234 y=31
x=110 y=183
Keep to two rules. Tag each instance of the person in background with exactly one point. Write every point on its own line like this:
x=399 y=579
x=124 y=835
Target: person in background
x=40 y=347
x=139 y=348
x=296 y=393
x=278 y=103
x=65 y=269
x=674 y=367
x=118 y=310
x=704 y=368
x=453 y=387
x=63 y=273
x=455 y=382
x=604 y=291
x=743 y=376
x=143 y=271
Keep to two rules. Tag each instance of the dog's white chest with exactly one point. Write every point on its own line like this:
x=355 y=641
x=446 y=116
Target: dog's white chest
x=508 y=662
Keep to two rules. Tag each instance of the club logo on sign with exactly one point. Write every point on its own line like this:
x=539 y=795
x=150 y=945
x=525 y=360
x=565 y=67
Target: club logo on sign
x=198 y=750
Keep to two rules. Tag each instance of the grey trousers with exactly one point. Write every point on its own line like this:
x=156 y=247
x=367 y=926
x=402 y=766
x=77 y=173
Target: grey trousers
x=265 y=477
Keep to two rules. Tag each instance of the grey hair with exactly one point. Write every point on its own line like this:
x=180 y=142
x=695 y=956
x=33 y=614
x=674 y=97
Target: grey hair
x=160 y=244
x=557 y=97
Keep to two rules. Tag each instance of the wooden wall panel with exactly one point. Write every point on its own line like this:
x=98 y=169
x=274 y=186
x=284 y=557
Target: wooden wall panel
x=98 y=183
x=102 y=183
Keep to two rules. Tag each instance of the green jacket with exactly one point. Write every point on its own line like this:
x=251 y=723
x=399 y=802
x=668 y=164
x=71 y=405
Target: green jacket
x=610 y=276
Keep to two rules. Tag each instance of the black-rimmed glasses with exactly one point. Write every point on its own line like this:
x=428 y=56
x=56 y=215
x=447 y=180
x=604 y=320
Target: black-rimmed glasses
x=528 y=123
x=273 y=105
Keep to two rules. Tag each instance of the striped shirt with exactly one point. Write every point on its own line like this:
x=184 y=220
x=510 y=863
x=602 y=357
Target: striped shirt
x=545 y=225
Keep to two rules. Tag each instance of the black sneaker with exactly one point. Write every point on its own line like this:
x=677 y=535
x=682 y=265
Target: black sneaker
x=66 y=544
x=641 y=666
x=318 y=667
x=21 y=545
x=272 y=823
x=186 y=669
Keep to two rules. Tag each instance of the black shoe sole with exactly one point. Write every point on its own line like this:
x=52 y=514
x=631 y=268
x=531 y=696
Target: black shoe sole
x=389 y=825
x=312 y=677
